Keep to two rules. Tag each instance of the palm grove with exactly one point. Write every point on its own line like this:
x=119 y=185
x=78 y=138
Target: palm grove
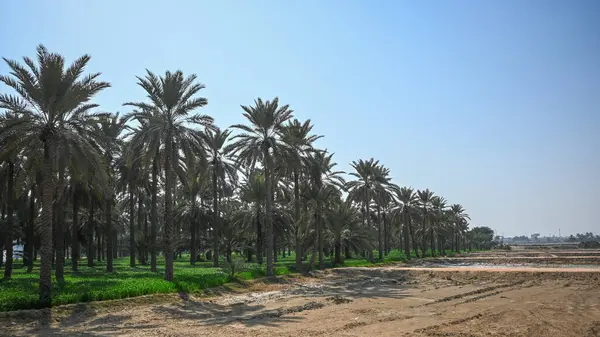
x=164 y=179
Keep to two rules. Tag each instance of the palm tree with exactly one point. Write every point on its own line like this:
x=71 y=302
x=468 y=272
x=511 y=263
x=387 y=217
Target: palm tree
x=362 y=189
x=129 y=181
x=382 y=195
x=458 y=218
x=341 y=217
x=108 y=133
x=51 y=105
x=439 y=215
x=78 y=193
x=324 y=187
x=194 y=180
x=165 y=121
x=300 y=141
x=424 y=200
x=221 y=164
x=407 y=203
x=262 y=141
x=253 y=192
x=9 y=177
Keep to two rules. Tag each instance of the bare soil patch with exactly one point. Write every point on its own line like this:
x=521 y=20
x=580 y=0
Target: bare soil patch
x=379 y=301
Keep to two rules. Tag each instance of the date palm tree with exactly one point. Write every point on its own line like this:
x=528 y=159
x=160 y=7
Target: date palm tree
x=51 y=105
x=222 y=167
x=325 y=186
x=437 y=226
x=424 y=200
x=362 y=189
x=194 y=178
x=108 y=132
x=166 y=121
x=403 y=212
x=261 y=141
x=300 y=141
x=458 y=218
x=253 y=192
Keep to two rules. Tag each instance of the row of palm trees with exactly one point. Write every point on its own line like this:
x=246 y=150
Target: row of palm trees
x=165 y=179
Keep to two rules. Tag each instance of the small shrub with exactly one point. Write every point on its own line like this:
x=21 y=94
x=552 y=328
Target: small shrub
x=234 y=268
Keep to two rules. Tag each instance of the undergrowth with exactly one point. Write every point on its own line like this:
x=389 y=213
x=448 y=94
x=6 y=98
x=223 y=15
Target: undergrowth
x=94 y=284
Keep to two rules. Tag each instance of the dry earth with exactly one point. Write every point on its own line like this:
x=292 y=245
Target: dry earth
x=382 y=301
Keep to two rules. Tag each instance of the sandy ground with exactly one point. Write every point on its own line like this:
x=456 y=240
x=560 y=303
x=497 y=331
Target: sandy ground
x=383 y=301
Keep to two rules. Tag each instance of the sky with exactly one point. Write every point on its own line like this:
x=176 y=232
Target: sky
x=491 y=104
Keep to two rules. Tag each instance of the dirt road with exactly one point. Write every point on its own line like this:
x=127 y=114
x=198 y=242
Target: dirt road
x=363 y=302
x=384 y=301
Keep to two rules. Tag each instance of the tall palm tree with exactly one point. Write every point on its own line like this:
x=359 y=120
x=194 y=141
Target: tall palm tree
x=424 y=199
x=51 y=104
x=253 y=192
x=194 y=180
x=261 y=141
x=439 y=215
x=362 y=189
x=9 y=177
x=165 y=121
x=220 y=161
x=108 y=134
x=404 y=211
x=300 y=141
x=324 y=187
x=341 y=217
x=382 y=194
x=458 y=218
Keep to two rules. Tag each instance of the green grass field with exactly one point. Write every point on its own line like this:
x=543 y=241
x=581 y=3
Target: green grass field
x=94 y=284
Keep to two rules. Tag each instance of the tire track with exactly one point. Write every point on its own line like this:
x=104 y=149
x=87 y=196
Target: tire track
x=476 y=292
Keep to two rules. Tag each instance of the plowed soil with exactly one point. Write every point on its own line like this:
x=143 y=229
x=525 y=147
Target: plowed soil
x=381 y=301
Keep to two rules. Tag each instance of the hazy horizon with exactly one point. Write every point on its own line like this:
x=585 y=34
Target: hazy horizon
x=493 y=105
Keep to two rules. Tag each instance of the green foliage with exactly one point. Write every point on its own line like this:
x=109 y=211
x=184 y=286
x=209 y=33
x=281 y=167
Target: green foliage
x=234 y=268
x=94 y=284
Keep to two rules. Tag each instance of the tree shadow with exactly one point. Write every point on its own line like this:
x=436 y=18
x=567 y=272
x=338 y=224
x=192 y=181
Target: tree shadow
x=45 y=322
x=206 y=313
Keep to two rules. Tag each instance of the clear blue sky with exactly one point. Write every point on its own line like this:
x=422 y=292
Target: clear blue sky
x=491 y=104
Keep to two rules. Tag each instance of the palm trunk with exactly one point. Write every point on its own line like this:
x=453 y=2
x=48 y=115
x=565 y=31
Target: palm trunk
x=145 y=239
x=45 y=232
x=30 y=235
x=268 y=213
x=298 y=244
x=319 y=237
x=193 y=226
x=154 y=214
x=379 y=234
x=216 y=218
x=99 y=247
x=108 y=229
x=9 y=222
x=424 y=239
x=90 y=233
x=168 y=228
x=314 y=253
x=432 y=238
x=132 y=247
x=275 y=248
x=140 y=227
x=368 y=216
x=338 y=251
x=59 y=236
x=259 y=236
x=75 y=235
x=386 y=241
x=406 y=233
